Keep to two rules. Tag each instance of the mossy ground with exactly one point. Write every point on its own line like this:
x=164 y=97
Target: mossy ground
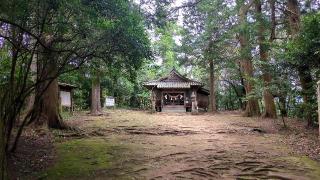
x=80 y=158
x=136 y=145
x=304 y=161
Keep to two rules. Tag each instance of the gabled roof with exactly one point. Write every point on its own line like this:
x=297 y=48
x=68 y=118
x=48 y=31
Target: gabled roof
x=173 y=80
x=66 y=85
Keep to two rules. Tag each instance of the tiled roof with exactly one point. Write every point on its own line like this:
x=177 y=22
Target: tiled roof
x=66 y=85
x=173 y=80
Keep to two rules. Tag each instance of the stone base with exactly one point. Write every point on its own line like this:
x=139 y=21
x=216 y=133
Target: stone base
x=174 y=109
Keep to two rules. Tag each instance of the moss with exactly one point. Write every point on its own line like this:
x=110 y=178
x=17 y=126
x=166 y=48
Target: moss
x=304 y=161
x=65 y=114
x=80 y=158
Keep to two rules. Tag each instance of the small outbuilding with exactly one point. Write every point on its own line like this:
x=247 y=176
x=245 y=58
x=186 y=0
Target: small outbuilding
x=176 y=93
x=65 y=94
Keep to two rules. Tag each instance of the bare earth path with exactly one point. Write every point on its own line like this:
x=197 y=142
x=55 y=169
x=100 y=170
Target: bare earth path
x=185 y=146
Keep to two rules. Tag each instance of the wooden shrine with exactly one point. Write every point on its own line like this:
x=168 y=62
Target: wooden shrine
x=176 y=93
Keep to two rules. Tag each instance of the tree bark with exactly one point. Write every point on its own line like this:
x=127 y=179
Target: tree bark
x=304 y=71
x=33 y=71
x=293 y=17
x=318 y=92
x=212 y=107
x=252 y=106
x=3 y=154
x=242 y=91
x=306 y=85
x=95 y=96
x=49 y=102
x=51 y=108
x=47 y=93
x=269 y=105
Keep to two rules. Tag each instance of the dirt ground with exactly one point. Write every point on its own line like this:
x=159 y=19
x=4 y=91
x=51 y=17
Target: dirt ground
x=140 y=145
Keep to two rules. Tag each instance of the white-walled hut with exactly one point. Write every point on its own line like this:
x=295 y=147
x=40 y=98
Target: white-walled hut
x=66 y=95
x=176 y=93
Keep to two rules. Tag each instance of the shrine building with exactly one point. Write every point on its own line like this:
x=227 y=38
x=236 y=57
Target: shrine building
x=176 y=93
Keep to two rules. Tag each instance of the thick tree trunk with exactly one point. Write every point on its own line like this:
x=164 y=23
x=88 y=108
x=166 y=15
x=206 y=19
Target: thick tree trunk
x=51 y=106
x=318 y=92
x=252 y=106
x=47 y=93
x=212 y=107
x=95 y=96
x=293 y=17
x=49 y=103
x=33 y=71
x=307 y=91
x=269 y=105
x=304 y=71
x=3 y=154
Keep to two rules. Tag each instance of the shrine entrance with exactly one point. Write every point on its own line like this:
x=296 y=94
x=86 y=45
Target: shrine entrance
x=173 y=98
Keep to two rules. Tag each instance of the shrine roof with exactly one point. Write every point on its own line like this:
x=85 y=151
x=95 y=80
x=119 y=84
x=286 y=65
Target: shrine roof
x=66 y=85
x=173 y=80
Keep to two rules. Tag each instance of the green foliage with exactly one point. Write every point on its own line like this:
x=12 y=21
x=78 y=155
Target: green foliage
x=303 y=55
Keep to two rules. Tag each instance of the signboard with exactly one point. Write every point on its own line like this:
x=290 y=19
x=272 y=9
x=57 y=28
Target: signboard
x=110 y=102
x=65 y=98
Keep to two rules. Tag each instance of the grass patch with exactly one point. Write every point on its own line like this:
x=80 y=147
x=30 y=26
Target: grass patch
x=80 y=158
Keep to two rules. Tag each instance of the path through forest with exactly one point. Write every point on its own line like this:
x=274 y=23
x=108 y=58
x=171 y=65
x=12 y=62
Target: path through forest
x=183 y=146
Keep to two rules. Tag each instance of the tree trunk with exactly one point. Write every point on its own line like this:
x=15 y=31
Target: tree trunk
x=212 y=107
x=33 y=71
x=269 y=105
x=47 y=93
x=51 y=108
x=242 y=91
x=283 y=104
x=304 y=71
x=318 y=92
x=3 y=154
x=293 y=17
x=306 y=85
x=95 y=96
x=252 y=106
x=49 y=102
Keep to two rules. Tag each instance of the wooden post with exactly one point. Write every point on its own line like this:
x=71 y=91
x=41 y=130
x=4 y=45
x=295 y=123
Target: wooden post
x=194 y=104
x=153 y=101
x=318 y=90
x=71 y=99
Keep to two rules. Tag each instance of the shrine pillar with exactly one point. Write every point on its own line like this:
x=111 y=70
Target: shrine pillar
x=153 y=101
x=194 y=103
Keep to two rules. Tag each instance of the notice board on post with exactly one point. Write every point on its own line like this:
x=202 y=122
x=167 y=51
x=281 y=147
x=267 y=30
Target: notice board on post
x=110 y=101
x=65 y=98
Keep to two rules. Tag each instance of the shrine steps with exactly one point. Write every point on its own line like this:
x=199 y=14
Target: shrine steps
x=173 y=109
